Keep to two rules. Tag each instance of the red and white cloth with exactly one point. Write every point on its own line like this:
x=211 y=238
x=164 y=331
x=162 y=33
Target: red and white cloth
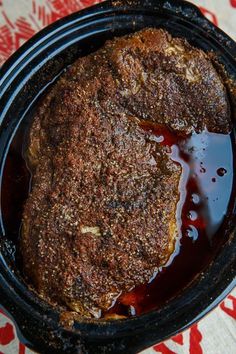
x=21 y=19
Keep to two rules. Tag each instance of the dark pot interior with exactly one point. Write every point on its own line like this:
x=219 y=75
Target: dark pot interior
x=24 y=77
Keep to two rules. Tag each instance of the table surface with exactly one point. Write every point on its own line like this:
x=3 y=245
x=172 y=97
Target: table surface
x=19 y=20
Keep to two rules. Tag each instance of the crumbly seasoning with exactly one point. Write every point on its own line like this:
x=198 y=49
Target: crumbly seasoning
x=100 y=218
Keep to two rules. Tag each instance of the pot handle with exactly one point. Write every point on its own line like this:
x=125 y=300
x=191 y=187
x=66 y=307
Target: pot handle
x=182 y=7
x=129 y=344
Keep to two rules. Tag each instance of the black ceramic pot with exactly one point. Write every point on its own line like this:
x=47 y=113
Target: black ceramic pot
x=22 y=79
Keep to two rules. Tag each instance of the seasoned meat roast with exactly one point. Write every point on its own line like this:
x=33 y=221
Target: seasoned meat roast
x=101 y=217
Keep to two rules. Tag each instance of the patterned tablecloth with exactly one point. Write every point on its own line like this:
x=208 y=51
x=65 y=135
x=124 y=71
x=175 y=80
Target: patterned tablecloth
x=19 y=20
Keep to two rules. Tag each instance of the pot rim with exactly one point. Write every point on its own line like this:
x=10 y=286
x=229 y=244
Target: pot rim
x=17 y=298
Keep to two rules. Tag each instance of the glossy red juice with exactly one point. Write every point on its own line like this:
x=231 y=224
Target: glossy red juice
x=205 y=192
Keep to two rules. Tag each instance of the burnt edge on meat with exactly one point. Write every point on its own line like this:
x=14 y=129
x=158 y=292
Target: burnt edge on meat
x=101 y=216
